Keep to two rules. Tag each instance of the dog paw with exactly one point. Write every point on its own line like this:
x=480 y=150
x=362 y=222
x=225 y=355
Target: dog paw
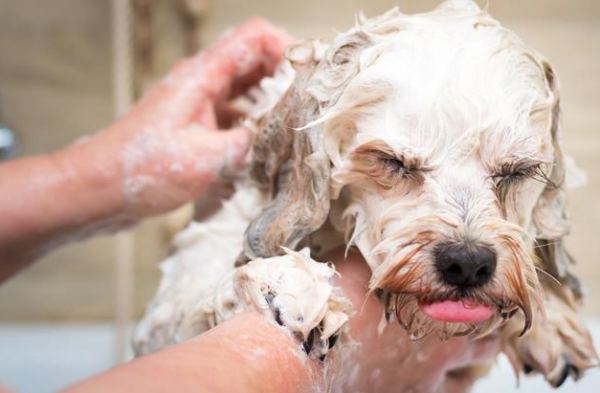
x=294 y=291
x=558 y=347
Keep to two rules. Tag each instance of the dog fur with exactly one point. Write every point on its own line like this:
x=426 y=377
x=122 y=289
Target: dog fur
x=409 y=131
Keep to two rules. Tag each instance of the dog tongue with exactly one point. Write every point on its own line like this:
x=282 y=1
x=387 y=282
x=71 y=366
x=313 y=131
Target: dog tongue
x=456 y=311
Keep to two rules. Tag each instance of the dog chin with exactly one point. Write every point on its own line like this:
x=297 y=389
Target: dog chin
x=444 y=318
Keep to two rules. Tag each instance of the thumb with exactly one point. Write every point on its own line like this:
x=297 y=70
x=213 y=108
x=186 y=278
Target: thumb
x=223 y=152
x=237 y=141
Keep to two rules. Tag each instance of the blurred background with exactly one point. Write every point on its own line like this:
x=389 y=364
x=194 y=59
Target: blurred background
x=67 y=316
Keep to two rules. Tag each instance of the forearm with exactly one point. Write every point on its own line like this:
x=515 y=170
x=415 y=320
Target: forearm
x=51 y=199
x=245 y=354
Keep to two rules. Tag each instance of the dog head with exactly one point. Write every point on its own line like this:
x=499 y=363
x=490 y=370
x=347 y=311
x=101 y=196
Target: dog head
x=438 y=134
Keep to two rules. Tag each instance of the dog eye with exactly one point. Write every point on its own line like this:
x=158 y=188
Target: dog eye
x=392 y=170
x=393 y=164
x=510 y=175
x=386 y=169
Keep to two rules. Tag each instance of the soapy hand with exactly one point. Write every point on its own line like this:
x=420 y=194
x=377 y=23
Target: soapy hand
x=172 y=147
x=177 y=145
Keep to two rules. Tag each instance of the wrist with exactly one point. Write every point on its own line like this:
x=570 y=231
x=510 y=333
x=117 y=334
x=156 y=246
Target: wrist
x=90 y=186
x=48 y=201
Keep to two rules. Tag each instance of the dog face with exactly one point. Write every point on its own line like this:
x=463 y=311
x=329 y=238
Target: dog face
x=443 y=168
x=437 y=133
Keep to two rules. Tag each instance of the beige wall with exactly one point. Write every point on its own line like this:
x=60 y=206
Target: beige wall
x=54 y=87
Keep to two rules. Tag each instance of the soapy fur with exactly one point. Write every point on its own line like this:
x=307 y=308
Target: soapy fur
x=407 y=132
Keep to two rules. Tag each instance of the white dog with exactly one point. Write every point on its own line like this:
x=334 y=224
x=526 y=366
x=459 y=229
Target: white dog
x=431 y=143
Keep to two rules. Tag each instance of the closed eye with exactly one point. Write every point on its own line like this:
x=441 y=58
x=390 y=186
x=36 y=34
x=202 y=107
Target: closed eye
x=393 y=164
x=510 y=174
x=386 y=169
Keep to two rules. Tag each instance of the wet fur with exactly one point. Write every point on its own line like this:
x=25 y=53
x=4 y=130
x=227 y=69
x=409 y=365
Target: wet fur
x=316 y=164
x=406 y=133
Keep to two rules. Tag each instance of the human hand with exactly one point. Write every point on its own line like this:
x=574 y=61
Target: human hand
x=168 y=150
x=171 y=148
x=390 y=362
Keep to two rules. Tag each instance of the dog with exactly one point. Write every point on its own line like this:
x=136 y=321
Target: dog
x=430 y=143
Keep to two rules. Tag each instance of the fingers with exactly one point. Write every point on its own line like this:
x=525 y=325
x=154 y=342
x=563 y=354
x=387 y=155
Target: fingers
x=248 y=53
x=238 y=142
x=228 y=148
x=231 y=65
x=234 y=147
x=206 y=116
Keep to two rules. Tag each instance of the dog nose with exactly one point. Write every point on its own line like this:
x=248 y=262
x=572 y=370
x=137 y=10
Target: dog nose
x=465 y=265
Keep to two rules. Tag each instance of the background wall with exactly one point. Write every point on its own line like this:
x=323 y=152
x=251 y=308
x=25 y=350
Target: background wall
x=54 y=88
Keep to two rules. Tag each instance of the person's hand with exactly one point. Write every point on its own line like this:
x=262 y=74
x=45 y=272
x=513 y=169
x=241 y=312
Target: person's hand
x=176 y=144
x=171 y=149
x=390 y=362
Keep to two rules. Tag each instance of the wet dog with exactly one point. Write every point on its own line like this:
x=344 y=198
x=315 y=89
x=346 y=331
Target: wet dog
x=429 y=142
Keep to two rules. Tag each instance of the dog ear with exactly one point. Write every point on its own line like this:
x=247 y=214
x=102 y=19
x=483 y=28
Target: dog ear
x=289 y=163
x=550 y=219
x=288 y=158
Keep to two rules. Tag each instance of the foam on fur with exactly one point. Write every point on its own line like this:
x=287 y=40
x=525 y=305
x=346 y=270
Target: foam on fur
x=406 y=133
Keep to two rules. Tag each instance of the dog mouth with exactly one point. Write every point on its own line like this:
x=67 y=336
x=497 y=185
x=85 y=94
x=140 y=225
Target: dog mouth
x=445 y=314
x=456 y=311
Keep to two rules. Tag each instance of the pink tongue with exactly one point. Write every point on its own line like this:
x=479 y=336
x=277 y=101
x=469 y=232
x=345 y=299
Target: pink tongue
x=456 y=311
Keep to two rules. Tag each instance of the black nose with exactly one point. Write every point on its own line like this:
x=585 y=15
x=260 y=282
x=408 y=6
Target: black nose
x=465 y=265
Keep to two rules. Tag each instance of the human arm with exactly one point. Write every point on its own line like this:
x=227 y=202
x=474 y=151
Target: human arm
x=165 y=152
x=248 y=354
x=245 y=354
